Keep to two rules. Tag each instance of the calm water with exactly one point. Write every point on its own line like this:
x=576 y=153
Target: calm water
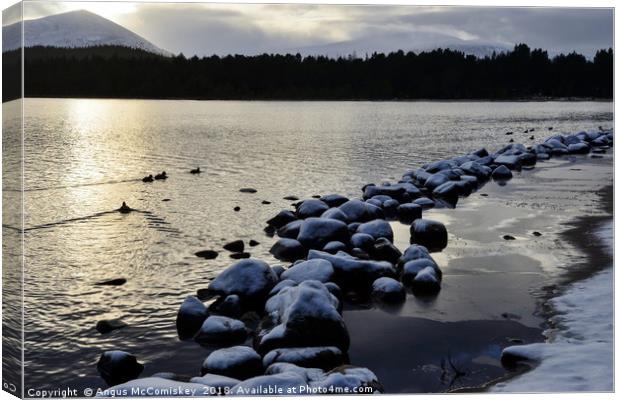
x=84 y=157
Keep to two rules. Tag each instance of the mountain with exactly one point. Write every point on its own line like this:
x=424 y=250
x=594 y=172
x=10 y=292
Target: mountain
x=74 y=29
x=416 y=42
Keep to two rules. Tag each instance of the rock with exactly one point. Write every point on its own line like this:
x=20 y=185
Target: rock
x=439 y=166
x=335 y=213
x=190 y=317
x=409 y=212
x=335 y=247
x=578 y=148
x=324 y=357
x=425 y=203
x=221 y=330
x=284 y=283
x=303 y=316
x=510 y=161
x=207 y=254
x=334 y=289
x=288 y=250
x=528 y=159
x=290 y=230
x=426 y=282
x=384 y=250
x=543 y=156
x=219 y=382
x=334 y=200
x=248 y=190
x=250 y=279
x=239 y=362
x=448 y=192
x=117 y=367
x=508 y=237
x=356 y=252
x=536 y=233
x=229 y=306
x=265 y=202
x=411 y=269
x=354 y=273
x=359 y=211
x=235 y=247
x=311 y=208
x=363 y=241
x=238 y=256
x=291 y=198
x=319 y=270
x=435 y=180
x=388 y=290
x=112 y=282
x=278 y=269
x=253 y=243
x=414 y=252
x=501 y=173
x=315 y=233
x=390 y=207
x=377 y=228
x=237 y=208
x=430 y=234
x=353 y=227
x=281 y=219
x=476 y=169
x=109 y=325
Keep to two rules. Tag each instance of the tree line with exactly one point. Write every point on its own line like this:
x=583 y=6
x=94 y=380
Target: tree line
x=112 y=71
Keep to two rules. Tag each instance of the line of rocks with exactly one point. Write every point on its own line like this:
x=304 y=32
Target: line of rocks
x=338 y=248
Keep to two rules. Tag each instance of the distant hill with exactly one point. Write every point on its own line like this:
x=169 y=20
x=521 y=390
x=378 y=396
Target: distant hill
x=75 y=29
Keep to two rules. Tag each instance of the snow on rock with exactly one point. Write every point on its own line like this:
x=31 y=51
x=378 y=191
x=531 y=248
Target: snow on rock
x=324 y=357
x=250 y=279
x=155 y=387
x=221 y=330
x=190 y=317
x=74 y=29
x=579 y=353
x=303 y=316
x=318 y=270
x=353 y=272
x=240 y=362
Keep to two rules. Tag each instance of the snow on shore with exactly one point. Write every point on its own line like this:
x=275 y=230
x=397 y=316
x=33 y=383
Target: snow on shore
x=579 y=355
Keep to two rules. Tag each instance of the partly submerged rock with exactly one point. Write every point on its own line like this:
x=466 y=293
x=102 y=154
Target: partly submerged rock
x=409 y=212
x=112 y=282
x=109 y=325
x=239 y=362
x=430 y=234
x=235 y=246
x=311 y=208
x=250 y=279
x=425 y=202
x=363 y=241
x=412 y=268
x=335 y=213
x=334 y=200
x=117 y=367
x=359 y=211
x=228 y=306
x=334 y=247
x=384 y=250
x=282 y=218
x=377 y=228
x=388 y=290
x=190 y=317
x=502 y=173
x=426 y=282
x=288 y=250
x=315 y=233
x=290 y=230
x=207 y=254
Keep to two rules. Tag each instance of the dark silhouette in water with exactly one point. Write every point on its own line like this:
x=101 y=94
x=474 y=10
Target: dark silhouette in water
x=114 y=71
x=161 y=176
x=148 y=178
x=195 y=171
x=125 y=209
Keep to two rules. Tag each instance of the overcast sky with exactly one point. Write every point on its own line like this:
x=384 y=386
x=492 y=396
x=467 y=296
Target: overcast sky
x=206 y=29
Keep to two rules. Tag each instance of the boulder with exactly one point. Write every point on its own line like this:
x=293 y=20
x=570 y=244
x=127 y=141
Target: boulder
x=510 y=161
x=439 y=166
x=363 y=241
x=335 y=247
x=430 y=234
x=354 y=273
x=109 y=325
x=117 y=367
x=435 y=180
x=409 y=212
x=393 y=191
x=207 y=254
x=288 y=250
x=325 y=357
x=388 y=290
x=220 y=330
x=239 y=362
x=414 y=252
x=190 y=317
x=359 y=211
x=475 y=169
x=501 y=173
x=448 y=192
x=377 y=228
x=578 y=148
x=281 y=219
x=334 y=200
x=281 y=285
x=384 y=250
x=305 y=315
x=236 y=246
x=426 y=282
x=315 y=233
x=335 y=213
x=425 y=203
x=250 y=279
x=390 y=207
x=229 y=306
x=311 y=208
x=319 y=270
x=411 y=269
x=290 y=230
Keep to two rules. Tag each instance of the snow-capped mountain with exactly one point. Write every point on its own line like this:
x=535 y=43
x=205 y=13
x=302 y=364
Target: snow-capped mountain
x=74 y=29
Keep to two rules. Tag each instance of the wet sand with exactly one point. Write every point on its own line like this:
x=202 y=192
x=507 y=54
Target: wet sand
x=493 y=291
